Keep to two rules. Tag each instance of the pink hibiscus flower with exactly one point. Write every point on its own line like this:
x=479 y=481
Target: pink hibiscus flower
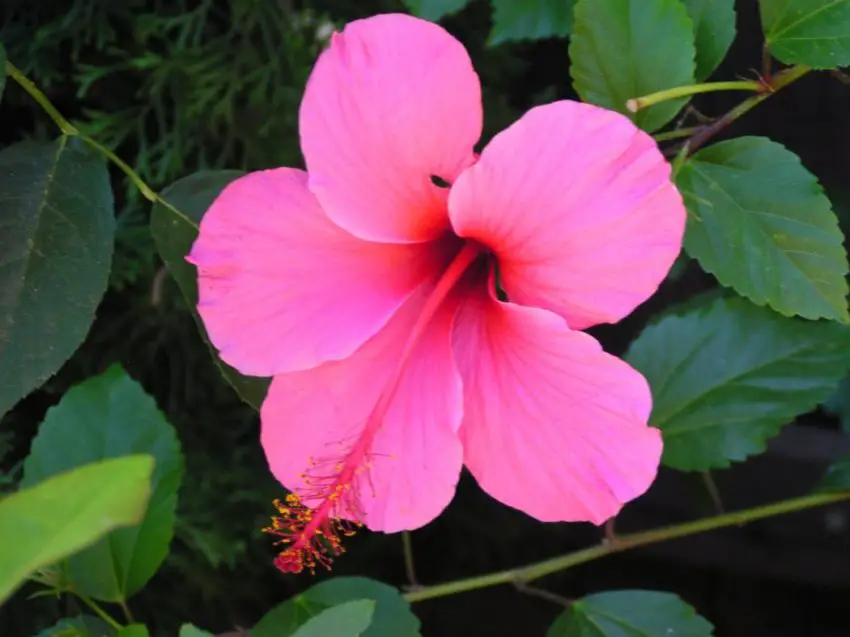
x=366 y=287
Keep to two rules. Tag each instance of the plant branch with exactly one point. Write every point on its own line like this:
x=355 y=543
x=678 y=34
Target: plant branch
x=409 y=563
x=72 y=131
x=85 y=599
x=531 y=572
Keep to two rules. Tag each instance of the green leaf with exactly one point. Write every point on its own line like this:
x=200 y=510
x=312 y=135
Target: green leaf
x=530 y=20
x=761 y=224
x=837 y=477
x=434 y=9
x=2 y=69
x=82 y=626
x=714 y=31
x=56 y=233
x=623 y=49
x=630 y=614
x=727 y=376
x=393 y=616
x=350 y=619
x=134 y=630
x=109 y=416
x=43 y=524
x=838 y=404
x=188 y=630
x=815 y=33
x=174 y=235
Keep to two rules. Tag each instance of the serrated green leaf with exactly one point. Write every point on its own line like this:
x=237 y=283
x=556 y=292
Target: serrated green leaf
x=109 y=416
x=815 y=33
x=393 y=616
x=189 y=630
x=56 y=234
x=837 y=477
x=350 y=619
x=434 y=9
x=714 y=31
x=761 y=224
x=134 y=630
x=728 y=376
x=623 y=49
x=174 y=235
x=45 y=523
x=530 y=20
x=633 y=613
x=82 y=626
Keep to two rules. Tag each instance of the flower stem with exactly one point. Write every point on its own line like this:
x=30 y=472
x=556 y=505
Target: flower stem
x=72 y=131
x=622 y=543
x=638 y=103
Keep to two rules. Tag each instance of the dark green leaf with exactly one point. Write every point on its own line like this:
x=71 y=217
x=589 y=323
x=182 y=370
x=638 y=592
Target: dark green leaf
x=83 y=626
x=630 y=614
x=188 y=630
x=45 y=523
x=56 y=234
x=134 y=630
x=837 y=477
x=350 y=619
x=839 y=403
x=2 y=69
x=727 y=376
x=393 y=616
x=530 y=20
x=815 y=33
x=623 y=49
x=174 y=235
x=109 y=416
x=761 y=224
x=434 y=9
x=714 y=31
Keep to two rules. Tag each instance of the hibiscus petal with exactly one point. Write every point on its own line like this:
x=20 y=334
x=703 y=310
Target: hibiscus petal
x=415 y=460
x=393 y=101
x=282 y=288
x=578 y=206
x=552 y=424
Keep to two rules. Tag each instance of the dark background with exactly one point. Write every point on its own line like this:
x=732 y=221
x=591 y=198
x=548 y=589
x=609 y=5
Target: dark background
x=175 y=86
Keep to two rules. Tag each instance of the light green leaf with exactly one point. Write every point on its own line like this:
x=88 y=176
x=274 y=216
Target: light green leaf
x=434 y=9
x=174 y=235
x=393 y=616
x=714 y=31
x=45 y=523
x=727 y=376
x=630 y=614
x=109 y=416
x=56 y=233
x=837 y=477
x=350 y=619
x=188 y=630
x=82 y=626
x=623 y=49
x=134 y=630
x=530 y=20
x=815 y=33
x=761 y=224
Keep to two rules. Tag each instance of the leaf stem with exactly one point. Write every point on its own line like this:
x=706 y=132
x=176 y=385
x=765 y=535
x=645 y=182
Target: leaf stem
x=638 y=103
x=88 y=601
x=624 y=542
x=72 y=131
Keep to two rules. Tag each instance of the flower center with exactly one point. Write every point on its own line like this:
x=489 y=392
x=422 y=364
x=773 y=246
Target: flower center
x=312 y=536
